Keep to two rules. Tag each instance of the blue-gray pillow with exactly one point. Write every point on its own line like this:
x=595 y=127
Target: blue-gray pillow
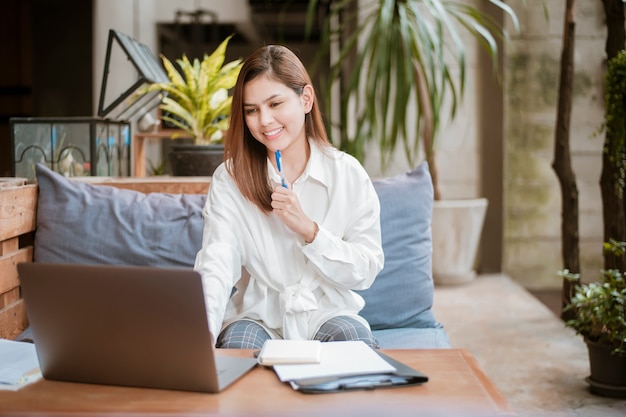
x=82 y=223
x=402 y=294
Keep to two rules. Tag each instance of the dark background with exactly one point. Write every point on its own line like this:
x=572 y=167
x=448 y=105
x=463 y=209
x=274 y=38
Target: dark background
x=45 y=63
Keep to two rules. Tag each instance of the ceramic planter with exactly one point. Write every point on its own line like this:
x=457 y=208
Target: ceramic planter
x=608 y=371
x=189 y=160
x=456 y=227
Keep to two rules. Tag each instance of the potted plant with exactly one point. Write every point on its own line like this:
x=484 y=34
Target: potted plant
x=400 y=65
x=196 y=101
x=599 y=315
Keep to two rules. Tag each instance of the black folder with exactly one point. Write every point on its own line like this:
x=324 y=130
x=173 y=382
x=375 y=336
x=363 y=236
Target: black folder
x=404 y=376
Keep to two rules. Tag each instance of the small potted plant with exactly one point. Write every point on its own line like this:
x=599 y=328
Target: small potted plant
x=196 y=101
x=600 y=317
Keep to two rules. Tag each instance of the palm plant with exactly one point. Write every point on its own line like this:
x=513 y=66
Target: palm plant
x=398 y=54
x=197 y=100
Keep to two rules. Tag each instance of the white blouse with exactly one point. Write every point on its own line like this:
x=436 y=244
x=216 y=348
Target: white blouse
x=289 y=287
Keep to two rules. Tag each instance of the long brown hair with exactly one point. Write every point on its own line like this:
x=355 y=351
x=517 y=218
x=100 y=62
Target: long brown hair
x=246 y=157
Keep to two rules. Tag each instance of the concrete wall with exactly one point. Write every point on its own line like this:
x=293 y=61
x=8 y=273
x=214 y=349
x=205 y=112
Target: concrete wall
x=532 y=208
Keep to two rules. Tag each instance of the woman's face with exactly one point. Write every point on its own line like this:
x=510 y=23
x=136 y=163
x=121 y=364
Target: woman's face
x=275 y=114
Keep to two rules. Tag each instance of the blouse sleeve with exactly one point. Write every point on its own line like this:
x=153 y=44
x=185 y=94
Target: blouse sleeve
x=353 y=258
x=219 y=259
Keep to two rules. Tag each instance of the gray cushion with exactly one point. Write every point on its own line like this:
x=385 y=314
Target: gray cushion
x=412 y=338
x=402 y=294
x=81 y=223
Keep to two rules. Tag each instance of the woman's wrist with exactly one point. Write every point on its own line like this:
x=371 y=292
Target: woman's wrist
x=316 y=229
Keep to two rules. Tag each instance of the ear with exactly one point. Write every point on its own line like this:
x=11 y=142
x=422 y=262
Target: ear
x=307 y=97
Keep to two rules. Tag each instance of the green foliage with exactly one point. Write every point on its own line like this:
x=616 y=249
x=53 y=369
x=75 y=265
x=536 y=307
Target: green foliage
x=399 y=53
x=615 y=118
x=197 y=99
x=600 y=307
x=158 y=168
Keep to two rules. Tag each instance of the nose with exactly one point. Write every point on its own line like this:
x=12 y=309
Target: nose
x=265 y=117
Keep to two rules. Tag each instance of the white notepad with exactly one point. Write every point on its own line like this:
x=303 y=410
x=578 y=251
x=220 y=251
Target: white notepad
x=278 y=351
x=348 y=358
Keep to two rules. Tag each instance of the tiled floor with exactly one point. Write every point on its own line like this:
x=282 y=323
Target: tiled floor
x=538 y=364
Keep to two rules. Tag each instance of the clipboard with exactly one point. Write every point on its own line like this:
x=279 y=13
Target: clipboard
x=404 y=376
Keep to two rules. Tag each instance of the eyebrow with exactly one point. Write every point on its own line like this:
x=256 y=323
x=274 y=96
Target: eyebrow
x=270 y=98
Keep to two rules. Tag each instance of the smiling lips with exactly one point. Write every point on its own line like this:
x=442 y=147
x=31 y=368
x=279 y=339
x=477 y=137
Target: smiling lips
x=273 y=133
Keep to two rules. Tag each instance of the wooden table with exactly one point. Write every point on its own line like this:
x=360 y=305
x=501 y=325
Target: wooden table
x=457 y=387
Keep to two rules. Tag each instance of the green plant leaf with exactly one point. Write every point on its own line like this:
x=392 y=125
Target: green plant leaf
x=392 y=47
x=189 y=97
x=600 y=308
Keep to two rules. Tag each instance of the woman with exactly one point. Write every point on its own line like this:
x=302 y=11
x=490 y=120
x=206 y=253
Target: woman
x=292 y=252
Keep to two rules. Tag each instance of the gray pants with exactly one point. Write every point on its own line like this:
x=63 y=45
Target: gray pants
x=246 y=334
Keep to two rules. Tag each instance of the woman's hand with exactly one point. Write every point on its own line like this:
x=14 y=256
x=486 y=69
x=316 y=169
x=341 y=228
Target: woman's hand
x=286 y=206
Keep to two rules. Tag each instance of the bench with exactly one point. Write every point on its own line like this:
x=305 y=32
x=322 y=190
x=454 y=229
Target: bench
x=58 y=219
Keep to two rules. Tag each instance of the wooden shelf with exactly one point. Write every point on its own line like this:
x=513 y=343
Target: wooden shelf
x=139 y=147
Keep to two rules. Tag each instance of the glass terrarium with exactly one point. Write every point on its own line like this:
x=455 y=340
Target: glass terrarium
x=75 y=146
x=93 y=146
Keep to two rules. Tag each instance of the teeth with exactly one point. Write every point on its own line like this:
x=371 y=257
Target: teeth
x=273 y=132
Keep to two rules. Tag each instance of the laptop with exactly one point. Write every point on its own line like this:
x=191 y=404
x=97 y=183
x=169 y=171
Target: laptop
x=124 y=325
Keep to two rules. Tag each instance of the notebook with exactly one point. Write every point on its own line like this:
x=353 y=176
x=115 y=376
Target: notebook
x=124 y=325
x=295 y=352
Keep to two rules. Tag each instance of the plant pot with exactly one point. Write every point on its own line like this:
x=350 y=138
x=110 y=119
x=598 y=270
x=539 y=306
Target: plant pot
x=608 y=371
x=456 y=229
x=189 y=160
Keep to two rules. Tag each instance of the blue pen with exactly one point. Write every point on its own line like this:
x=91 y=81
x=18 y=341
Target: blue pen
x=280 y=169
